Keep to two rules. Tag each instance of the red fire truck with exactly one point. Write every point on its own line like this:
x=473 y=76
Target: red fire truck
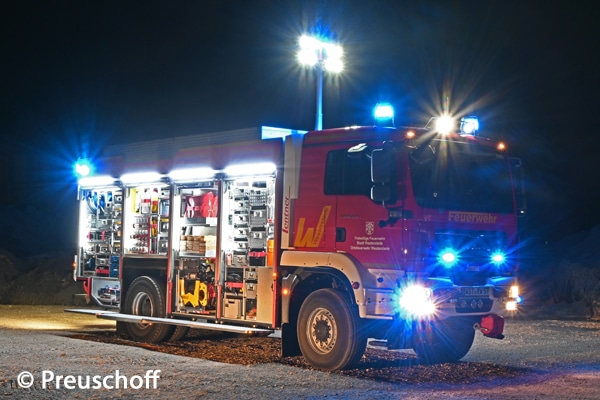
x=327 y=238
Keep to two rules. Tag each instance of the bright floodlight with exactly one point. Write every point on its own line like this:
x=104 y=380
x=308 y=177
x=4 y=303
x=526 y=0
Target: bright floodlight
x=444 y=124
x=307 y=57
x=323 y=54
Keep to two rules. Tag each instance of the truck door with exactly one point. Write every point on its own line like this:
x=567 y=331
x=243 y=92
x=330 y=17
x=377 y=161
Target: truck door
x=363 y=226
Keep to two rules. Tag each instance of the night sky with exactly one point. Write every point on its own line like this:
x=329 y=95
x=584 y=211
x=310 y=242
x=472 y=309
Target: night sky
x=78 y=75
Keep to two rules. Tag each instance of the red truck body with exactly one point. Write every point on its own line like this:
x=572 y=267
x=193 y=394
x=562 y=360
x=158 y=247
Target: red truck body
x=331 y=237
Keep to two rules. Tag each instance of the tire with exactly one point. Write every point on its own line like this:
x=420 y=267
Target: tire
x=179 y=333
x=446 y=341
x=329 y=331
x=146 y=297
x=121 y=329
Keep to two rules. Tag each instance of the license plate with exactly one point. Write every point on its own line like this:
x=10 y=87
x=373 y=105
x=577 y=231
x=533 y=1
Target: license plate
x=476 y=292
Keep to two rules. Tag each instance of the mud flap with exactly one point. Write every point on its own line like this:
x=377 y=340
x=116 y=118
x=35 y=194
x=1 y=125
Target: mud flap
x=289 y=341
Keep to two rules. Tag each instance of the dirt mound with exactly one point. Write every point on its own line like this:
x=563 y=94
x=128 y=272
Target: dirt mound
x=45 y=279
x=9 y=269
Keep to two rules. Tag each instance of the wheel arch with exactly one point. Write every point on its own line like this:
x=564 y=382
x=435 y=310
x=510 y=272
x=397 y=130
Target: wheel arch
x=134 y=268
x=306 y=272
x=310 y=271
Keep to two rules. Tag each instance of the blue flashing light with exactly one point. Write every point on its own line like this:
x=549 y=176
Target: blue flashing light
x=469 y=125
x=498 y=258
x=383 y=114
x=448 y=257
x=83 y=168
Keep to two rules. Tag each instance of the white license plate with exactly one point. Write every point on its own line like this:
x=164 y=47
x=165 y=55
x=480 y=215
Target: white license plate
x=476 y=291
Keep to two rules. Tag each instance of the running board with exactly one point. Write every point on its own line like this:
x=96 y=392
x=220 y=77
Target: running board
x=115 y=316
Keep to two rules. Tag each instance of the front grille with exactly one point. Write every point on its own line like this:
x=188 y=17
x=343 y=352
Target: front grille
x=475 y=249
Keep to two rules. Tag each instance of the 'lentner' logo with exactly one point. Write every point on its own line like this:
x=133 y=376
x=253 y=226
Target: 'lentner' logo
x=479 y=218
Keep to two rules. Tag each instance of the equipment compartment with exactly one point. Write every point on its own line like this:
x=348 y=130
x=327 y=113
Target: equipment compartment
x=100 y=231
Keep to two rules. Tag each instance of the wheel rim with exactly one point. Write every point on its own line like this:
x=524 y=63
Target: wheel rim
x=322 y=331
x=142 y=305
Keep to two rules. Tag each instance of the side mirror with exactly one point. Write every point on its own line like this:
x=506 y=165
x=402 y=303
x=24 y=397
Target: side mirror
x=381 y=194
x=383 y=172
x=383 y=166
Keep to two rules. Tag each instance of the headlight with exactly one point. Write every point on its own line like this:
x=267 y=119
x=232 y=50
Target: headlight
x=514 y=298
x=417 y=300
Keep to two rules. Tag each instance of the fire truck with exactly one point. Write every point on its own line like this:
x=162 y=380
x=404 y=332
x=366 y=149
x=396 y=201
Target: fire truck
x=328 y=238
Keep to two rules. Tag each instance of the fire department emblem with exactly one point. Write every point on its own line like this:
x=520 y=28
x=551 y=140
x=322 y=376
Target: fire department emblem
x=369 y=227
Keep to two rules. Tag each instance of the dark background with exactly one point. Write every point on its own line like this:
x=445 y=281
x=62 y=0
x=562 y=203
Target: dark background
x=78 y=75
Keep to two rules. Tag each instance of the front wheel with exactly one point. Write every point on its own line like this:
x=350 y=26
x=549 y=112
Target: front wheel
x=329 y=331
x=145 y=297
x=445 y=341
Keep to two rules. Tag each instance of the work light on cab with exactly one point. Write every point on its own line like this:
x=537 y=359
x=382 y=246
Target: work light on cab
x=444 y=124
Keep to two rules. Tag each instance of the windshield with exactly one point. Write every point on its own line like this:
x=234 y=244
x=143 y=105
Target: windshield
x=461 y=176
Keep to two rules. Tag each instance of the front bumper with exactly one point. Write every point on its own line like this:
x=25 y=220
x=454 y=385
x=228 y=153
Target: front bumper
x=495 y=297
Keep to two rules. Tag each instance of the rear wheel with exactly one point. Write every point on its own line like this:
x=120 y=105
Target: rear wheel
x=145 y=297
x=445 y=341
x=329 y=331
x=179 y=333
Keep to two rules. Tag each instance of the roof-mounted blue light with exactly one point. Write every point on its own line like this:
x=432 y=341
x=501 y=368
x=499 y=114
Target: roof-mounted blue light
x=469 y=126
x=383 y=114
x=83 y=167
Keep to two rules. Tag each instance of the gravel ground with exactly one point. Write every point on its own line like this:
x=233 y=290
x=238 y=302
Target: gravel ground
x=538 y=359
